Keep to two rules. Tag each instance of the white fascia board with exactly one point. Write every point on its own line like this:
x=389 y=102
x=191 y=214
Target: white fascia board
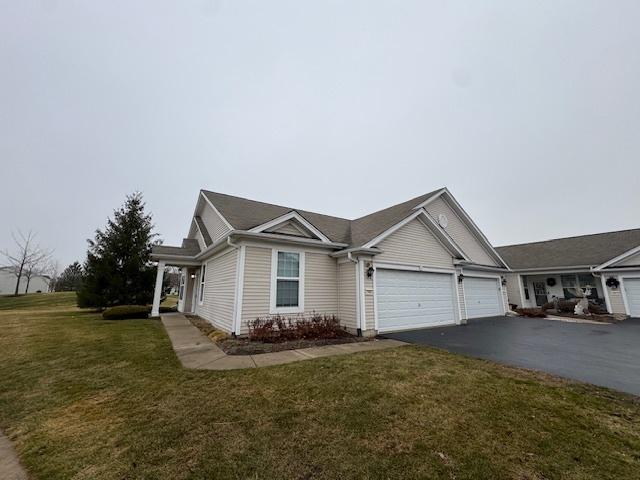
x=619 y=258
x=265 y=237
x=356 y=250
x=175 y=260
x=467 y=219
x=476 y=266
x=229 y=226
x=293 y=215
x=553 y=270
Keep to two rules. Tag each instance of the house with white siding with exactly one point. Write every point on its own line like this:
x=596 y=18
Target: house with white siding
x=417 y=264
x=608 y=264
x=36 y=284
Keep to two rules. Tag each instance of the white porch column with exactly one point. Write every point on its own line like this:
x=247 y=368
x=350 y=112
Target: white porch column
x=157 y=293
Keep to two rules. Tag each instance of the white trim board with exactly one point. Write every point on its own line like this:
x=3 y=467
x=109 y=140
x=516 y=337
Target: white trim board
x=273 y=309
x=215 y=210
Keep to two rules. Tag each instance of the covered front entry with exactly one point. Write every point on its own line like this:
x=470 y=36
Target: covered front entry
x=482 y=297
x=411 y=299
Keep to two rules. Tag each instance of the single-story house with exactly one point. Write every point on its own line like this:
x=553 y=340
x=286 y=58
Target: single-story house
x=417 y=264
x=37 y=283
x=607 y=263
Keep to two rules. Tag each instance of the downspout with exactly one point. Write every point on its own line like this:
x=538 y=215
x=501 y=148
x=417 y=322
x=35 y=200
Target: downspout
x=358 y=312
x=237 y=300
x=231 y=244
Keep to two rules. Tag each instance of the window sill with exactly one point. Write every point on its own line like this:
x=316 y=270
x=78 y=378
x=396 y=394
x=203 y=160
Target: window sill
x=280 y=310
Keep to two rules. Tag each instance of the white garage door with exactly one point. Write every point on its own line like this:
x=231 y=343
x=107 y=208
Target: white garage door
x=482 y=297
x=409 y=300
x=632 y=290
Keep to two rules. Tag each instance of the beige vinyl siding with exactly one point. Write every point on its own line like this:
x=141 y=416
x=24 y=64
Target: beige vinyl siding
x=320 y=284
x=257 y=285
x=290 y=228
x=370 y=320
x=215 y=225
x=615 y=298
x=632 y=261
x=219 y=291
x=460 y=233
x=347 y=295
x=513 y=290
x=414 y=244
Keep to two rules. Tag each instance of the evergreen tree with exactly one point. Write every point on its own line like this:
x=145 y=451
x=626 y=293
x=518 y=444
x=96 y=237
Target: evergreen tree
x=70 y=280
x=118 y=270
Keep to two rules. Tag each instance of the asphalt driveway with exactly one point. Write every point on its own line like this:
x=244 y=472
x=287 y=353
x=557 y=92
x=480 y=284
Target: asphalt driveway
x=606 y=355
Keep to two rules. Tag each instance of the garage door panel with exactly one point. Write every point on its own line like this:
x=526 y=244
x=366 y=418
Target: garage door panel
x=482 y=297
x=632 y=291
x=413 y=299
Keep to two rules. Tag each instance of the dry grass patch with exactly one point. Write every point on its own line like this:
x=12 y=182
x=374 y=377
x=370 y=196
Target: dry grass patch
x=90 y=399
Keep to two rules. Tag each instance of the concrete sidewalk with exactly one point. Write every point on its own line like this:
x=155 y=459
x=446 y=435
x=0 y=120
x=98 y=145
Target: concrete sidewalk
x=10 y=468
x=196 y=351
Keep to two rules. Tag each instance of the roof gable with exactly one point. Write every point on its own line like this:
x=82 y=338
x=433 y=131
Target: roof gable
x=245 y=214
x=461 y=233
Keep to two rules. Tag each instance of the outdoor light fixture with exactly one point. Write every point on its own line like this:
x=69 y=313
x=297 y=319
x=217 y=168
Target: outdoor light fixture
x=504 y=281
x=460 y=278
x=193 y=275
x=370 y=272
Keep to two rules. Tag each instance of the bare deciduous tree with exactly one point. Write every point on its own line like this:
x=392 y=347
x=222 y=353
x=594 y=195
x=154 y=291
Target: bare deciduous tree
x=28 y=259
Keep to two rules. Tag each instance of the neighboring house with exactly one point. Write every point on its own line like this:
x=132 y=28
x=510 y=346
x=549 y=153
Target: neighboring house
x=417 y=264
x=38 y=283
x=608 y=263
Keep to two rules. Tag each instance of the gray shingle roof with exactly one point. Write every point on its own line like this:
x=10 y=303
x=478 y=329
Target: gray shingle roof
x=244 y=214
x=370 y=226
x=189 y=248
x=589 y=250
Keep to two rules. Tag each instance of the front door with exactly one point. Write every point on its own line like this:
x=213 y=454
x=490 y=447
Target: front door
x=540 y=291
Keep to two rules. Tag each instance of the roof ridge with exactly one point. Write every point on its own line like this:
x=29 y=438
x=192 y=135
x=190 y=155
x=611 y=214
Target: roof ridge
x=570 y=237
x=324 y=214
x=416 y=199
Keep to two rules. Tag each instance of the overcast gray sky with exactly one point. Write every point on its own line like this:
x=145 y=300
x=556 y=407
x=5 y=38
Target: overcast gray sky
x=528 y=111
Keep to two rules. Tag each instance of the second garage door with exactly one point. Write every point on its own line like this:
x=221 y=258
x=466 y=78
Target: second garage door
x=482 y=297
x=632 y=290
x=409 y=300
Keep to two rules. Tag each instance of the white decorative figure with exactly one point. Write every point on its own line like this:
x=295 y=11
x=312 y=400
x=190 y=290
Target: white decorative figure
x=583 y=303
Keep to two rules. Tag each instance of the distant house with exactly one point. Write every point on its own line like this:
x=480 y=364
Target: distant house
x=38 y=283
x=606 y=263
x=421 y=263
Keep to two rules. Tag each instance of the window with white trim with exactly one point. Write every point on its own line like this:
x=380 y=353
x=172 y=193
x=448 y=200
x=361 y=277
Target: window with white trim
x=287 y=281
x=201 y=290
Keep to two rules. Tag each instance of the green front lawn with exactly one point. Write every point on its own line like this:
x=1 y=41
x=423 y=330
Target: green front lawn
x=85 y=398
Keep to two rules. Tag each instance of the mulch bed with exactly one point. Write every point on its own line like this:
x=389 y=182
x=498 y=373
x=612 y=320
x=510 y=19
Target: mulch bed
x=244 y=346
